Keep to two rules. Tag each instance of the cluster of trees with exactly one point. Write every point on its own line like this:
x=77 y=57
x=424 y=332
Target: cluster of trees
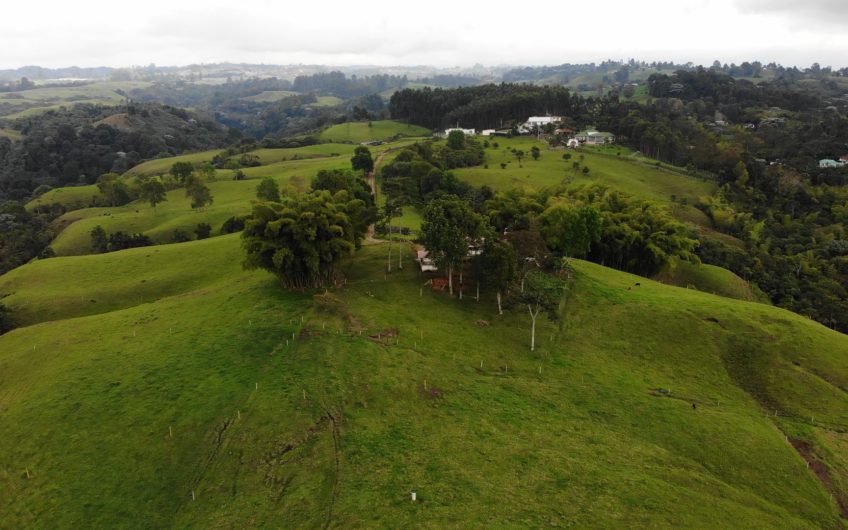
x=484 y=106
x=724 y=89
x=340 y=85
x=303 y=238
x=421 y=172
x=69 y=147
x=101 y=242
x=24 y=235
x=791 y=240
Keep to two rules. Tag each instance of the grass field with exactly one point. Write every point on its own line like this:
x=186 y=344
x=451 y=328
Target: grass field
x=274 y=95
x=380 y=130
x=9 y=133
x=72 y=198
x=710 y=279
x=198 y=410
x=551 y=169
x=54 y=98
x=161 y=387
x=231 y=197
x=327 y=101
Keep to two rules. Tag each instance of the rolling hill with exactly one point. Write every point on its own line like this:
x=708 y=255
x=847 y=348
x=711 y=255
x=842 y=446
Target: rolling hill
x=379 y=130
x=165 y=387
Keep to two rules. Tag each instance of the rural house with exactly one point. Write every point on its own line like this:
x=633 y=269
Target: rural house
x=826 y=163
x=468 y=132
x=594 y=137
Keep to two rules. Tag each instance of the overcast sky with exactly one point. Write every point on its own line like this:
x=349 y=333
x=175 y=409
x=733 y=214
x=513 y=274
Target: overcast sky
x=89 y=33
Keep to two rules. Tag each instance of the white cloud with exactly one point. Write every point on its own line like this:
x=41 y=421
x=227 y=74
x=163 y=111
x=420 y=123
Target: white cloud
x=438 y=32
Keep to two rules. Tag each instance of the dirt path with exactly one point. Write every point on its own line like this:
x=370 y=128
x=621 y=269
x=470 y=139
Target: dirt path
x=372 y=181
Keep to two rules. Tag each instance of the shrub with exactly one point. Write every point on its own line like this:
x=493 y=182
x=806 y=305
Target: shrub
x=233 y=225
x=181 y=236
x=203 y=230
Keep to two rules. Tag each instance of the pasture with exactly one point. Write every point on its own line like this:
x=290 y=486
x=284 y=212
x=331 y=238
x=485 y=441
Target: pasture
x=197 y=409
x=359 y=132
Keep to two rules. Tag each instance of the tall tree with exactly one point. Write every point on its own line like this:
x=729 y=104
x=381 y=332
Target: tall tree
x=542 y=293
x=197 y=190
x=112 y=186
x=449 y=225
x=362 y=160
x=390 y=210
x=571 y=230
x=154 y=192
x=181 y=170
x=531 y=251
x=499 y=265
x=456 y=140
x=99 y=240
x=268 y=190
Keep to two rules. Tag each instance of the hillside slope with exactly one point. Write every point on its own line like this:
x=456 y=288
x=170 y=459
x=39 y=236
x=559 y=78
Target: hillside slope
x=200 y=411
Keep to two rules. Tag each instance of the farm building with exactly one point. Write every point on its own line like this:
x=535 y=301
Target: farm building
x=594 y=137
x=468 y=132
x=425 y=262
x=825 y=163
x=532 y=121
x=487 y=132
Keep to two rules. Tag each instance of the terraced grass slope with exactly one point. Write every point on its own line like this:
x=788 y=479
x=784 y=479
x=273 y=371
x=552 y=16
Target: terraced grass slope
x=379 y=130
x=199 y=410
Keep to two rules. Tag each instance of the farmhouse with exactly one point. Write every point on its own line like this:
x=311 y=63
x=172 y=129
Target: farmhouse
x=468 y=132
x=533 y=121
x=594 y=137
x=826 y=163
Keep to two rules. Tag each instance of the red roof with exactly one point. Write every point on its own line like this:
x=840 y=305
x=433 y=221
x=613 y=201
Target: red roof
x=843 y=157
x=565 y=131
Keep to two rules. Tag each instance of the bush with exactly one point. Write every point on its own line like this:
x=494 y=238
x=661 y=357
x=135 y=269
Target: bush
x=41 y=190
x=328 y=303
x=5 y=319
x=233 y=225
x=181 y=236
x=203 y=231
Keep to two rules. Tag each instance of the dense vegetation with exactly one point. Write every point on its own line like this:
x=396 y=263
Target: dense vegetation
x=77 y=145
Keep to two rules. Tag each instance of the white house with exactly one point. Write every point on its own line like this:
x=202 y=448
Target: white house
x=487 y=132
x=468 y=132
x=533 y=121
x=425 y=262
x=594 y=137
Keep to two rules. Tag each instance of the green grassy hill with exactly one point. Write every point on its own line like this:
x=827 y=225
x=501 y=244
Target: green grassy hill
x=710 y=279
x=116 y=419
x=165 y=387
x=55 y=97
x=379 y=130
x=231 y=197
x=272 y=95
